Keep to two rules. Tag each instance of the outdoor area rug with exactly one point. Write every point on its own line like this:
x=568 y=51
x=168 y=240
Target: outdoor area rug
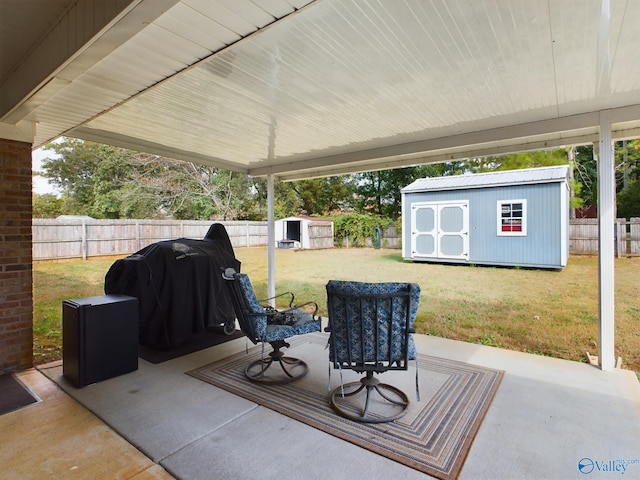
x=206 y=339
x=433 y=437
x=13 y=394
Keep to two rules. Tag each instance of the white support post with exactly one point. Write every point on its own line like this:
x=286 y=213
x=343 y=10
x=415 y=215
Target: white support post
x=606 y=223
x=271 y=241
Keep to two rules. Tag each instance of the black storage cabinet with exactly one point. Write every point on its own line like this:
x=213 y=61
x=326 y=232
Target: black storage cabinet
x=99 y=338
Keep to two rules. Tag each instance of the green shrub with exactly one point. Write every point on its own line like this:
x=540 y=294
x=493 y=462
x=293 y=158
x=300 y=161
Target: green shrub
x=357 y=227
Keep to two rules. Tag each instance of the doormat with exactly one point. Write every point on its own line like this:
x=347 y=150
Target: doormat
x=435 y=434
x=13 y=394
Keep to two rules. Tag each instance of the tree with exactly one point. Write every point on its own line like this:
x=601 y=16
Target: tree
x=111 y=182
x=517 y=161
x=73 y=171
x=380 y=191
x=628 y=201
x=320 y=196
x=317 y=196
x=627 y=158
x=187 y=190
x=46 y=205
x=111 y=178
x=585 y=172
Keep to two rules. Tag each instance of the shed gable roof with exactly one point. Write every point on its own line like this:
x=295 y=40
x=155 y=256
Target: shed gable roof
x=490 y=179
x=306 y=218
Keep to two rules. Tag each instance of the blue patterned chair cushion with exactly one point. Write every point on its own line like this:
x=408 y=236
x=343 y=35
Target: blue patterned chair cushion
x=304 y=323
x=266 y=332
x=258 y=316
x=349 y=325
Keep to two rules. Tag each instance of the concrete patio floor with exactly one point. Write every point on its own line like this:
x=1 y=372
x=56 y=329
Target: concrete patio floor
x=547 y=417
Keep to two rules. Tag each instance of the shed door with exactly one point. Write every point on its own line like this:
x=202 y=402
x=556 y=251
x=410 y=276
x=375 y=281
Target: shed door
x=293 y=230
x=453 y=231
x=440 y=230
x=424 y=236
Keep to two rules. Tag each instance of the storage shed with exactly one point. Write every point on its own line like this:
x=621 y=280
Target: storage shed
x=513 y=218
x=304 y=232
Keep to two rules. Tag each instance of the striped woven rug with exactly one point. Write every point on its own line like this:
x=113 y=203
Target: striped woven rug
x=434 y=436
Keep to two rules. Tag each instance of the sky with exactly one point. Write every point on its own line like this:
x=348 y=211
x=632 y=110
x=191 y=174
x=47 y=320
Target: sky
x=40 y=184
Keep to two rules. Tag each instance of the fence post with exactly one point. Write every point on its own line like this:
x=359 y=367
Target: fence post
x=83 y=240
x=621 y=239
x=634 y=238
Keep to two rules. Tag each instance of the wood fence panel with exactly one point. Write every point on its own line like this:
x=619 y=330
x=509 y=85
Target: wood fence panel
x=246 y=234
x=583 y=236
x=53 y=239
x=151 y=232
x=82 y=238
x=320 y=235
x=195 y=228
x=391 y=238
x=110 y=237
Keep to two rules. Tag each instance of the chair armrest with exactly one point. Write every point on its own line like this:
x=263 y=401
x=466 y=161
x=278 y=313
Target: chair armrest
x=301 y=305
x=278 y=296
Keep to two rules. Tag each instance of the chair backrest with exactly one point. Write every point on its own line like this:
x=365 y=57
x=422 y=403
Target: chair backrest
x=371 y=324
x=250 y=314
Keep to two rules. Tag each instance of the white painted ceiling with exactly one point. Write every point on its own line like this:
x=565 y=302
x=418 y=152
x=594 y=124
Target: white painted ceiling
x=300 y=88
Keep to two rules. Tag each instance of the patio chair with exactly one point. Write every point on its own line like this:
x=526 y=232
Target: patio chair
x=371 y=326
x=266 y=324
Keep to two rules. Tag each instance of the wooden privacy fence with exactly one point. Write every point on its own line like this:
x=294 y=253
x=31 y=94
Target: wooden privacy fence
x=53 y=239
x=59 y=239
x=583 y=237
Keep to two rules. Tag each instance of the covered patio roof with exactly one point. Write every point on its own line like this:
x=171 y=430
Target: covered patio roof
x=300 y=88
x=293 y=89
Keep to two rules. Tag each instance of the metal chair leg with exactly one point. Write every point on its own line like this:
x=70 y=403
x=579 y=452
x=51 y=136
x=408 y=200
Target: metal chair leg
x=392 y=395
x=293 y=368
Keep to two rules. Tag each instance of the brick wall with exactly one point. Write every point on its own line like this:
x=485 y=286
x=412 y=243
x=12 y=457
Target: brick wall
x=16 y=298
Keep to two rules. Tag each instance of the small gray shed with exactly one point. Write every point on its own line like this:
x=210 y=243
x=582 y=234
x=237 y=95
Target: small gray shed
x=304 y=232
x=513 y=218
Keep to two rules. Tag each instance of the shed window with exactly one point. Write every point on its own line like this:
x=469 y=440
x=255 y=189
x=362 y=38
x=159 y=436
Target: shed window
x=512 y=217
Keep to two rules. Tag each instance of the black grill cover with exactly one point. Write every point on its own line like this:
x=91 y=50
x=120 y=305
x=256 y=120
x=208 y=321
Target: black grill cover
x=179 y=288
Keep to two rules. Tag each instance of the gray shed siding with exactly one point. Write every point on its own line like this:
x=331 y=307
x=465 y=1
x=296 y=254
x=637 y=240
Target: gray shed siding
x=544 y=246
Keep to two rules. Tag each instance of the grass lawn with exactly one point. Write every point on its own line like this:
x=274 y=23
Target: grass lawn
x=552 y=313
